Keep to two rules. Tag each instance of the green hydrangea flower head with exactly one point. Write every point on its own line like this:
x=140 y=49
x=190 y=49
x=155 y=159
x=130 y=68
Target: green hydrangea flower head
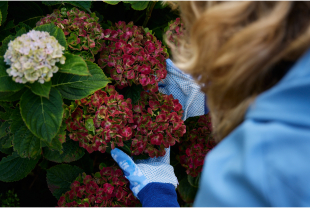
x=33 y=56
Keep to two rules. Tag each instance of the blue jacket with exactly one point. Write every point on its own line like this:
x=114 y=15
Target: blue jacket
x=265 y=161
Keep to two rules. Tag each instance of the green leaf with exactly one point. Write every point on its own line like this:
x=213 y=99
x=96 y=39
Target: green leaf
x=6 y=141
x=89 y=125
x=75 y=87
x=0 y=17
x=186 y=191
x=5 y=44
x=112 y=2
x=54 y=145
x=21 y=25
x=4 y=129
x=138 y=5
x=51 y=3
x=5 y=138
x=24 y=142
x=42 y=116
x=133 y=93
x=74 y=65
x=54 y=31
x=9 y=25
x=81 y=4
x=60 y=177
x=14 y=168
x=71 y=152
x=33 y=21
x=6 y=82
x=6 y=110
x=102 y=165
x=11 y=96
x=4 y=11
x=194 y=181
x=41 y=89
x=126 y=147
x=21 y=31
x=7 y=151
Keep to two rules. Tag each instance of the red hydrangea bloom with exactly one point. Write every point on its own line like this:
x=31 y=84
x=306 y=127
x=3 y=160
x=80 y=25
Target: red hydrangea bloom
x=133 y=56
x=174 y=31
x=83 y=32
x=101 y=120
x=107 y=188
x=158 y=124
x=195 y=144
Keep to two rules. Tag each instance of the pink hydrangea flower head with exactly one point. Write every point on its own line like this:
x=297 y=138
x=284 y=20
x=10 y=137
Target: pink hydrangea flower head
x=195 y=144
x=107 y=188
x=174 y=31
x=83 y=32
x=133 y=56
x=158 y=124
x=101 y=120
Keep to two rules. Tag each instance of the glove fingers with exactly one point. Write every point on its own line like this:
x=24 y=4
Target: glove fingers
x=124 y=161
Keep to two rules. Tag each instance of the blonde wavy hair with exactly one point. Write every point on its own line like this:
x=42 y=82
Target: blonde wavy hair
x=234 y=49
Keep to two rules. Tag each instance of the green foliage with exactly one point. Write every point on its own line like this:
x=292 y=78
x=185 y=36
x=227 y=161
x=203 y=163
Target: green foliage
x=74 y=87
x=9 y=199
x=112 y=2
x=84 y=5
x=81 y=4
x=71 y=152
x=3 y=11
x=138 y=5
x=54 y=31
x=5 y=43
x=6 y=110
x=14 y=168
x=5 y=138
x=74 y=65
x=41 y=89
x=42 y=116
x=60 y=177
x=12 y=96
x=186 y=191
x=133 y=93
x=6 y=82
x=54 y=145
x=24 y=142
x=193 y=181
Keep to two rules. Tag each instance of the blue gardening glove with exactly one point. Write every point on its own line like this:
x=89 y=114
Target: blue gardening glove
x=143 y=172
x=184 y=88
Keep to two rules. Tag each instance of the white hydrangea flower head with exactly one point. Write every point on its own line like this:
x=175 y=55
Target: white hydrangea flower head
x=33 y=57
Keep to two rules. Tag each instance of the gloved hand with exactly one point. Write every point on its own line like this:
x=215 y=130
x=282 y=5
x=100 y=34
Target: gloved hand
x=183 y=87
x=143 y=172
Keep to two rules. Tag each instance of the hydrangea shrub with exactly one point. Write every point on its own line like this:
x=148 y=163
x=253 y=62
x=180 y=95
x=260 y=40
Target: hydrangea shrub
x=107 y=188
x=33 y=57
x=174 y=31
x=196 y=144
x=132 y=56
x=83 y=32
x=158 y=124
x=101 y=120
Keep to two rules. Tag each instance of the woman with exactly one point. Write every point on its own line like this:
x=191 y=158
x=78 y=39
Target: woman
x=252 y=61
